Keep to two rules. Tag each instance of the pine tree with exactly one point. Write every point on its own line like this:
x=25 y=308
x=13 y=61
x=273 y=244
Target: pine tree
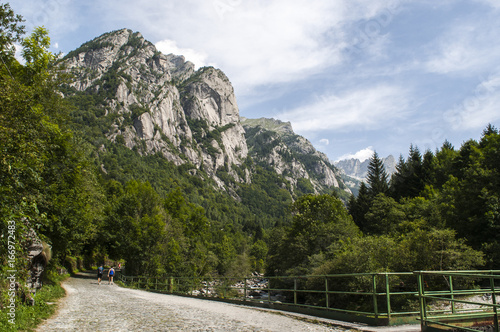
x=408 y=181
x=414 y=178
x=397 y=183
x=490 y=130
x=377 y=176
x=359 y=206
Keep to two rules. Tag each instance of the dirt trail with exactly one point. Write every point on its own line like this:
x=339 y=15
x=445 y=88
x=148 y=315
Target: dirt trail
x=92 y=307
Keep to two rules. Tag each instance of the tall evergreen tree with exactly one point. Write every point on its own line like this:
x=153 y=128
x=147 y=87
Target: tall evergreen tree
x=427 y=167
x=376 y=184
x=359 y=206
x=490 y=130
x=377 y=176
x=443 y=164
x=415 y=183
x=408 y=179
x=397 y=183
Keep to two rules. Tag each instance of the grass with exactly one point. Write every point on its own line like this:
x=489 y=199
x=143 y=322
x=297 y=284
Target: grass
x=28 y=317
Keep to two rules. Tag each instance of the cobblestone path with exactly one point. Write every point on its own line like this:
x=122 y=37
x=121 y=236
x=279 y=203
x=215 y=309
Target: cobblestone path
x=92 y=307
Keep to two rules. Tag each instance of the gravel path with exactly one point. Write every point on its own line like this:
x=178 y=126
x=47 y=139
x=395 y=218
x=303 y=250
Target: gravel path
x=92 y=307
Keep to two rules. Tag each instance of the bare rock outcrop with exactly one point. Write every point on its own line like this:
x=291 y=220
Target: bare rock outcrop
x=157 y=99
x=160 y=104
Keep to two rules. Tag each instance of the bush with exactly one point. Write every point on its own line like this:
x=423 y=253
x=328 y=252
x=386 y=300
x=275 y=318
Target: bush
x=29 y=316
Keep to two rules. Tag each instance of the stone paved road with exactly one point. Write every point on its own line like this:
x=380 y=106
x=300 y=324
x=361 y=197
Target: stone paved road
x=92 y=307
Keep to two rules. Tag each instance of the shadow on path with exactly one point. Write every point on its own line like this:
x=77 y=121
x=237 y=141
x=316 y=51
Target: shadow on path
x=85 y=275
x=91 y=275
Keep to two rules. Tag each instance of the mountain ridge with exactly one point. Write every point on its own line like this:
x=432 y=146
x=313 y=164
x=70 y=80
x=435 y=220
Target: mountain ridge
x=156 y=103
x=358 y=169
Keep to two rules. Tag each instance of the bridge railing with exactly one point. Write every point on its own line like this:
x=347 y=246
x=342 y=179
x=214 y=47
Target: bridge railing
x=372 y=298
x=437 y=299
x=469 y=300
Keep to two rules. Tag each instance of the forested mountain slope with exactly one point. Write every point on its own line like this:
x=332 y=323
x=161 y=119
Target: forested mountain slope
x=131 y=94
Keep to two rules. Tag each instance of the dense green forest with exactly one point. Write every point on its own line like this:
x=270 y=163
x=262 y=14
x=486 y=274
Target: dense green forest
x=439 y=211
x=92 y=199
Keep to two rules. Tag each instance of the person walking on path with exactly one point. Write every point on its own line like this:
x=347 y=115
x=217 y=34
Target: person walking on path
x=100 y=269
x=111 y=273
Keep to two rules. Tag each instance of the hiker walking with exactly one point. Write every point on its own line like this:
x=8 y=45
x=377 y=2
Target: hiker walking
x=100 y=269
x=111 y=273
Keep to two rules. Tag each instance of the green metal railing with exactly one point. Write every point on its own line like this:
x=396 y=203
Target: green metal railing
x=470 y=298
x=373 y=298
x=436 y=298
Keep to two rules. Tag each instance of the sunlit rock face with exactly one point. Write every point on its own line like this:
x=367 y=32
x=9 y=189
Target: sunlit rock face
x=156 y=96
x=159 y=103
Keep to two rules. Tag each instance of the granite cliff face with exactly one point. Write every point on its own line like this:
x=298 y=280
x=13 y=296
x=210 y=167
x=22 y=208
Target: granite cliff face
x=159 y=103
x=274 y=144
x=157 y=100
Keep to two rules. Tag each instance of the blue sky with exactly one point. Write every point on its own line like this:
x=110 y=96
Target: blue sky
x=352 y=76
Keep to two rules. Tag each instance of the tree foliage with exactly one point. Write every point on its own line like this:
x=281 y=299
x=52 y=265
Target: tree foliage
x=319 y=223
x=377 y=176
x=12 y=31
x=441 y=209
x=87 y=196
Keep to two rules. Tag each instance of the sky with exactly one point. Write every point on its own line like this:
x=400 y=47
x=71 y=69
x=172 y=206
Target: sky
x=351 y=76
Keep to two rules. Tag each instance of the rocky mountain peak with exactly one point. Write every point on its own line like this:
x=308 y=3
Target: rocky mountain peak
x=359 y=169
x=277 y=126
x=158 y=103
x=161 y=104
x=274 y=144
x=214 y=98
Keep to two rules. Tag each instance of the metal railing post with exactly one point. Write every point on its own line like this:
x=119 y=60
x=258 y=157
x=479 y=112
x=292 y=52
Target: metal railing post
x=452 y=296
x=294 y=290
x=268 y=290
x=388 y=295
x=245 y=290
x=494 y=302
x=374 y=291
x=326 y=293
x=421 y=300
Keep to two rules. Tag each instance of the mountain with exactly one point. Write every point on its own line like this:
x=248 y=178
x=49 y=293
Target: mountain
x=355 y=171
x=273 y=144
x=128 y=93
x=359 y=169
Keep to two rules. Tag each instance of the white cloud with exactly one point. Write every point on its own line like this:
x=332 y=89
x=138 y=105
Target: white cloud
x=58 y=16
x=362 y=155
x=457 y=57
x=492 y=3
x=169 y=46
x=479 y=109
x=263 y=43
x=466 y=48
x=368 y=108
x=256 y=43
x=324 y=141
